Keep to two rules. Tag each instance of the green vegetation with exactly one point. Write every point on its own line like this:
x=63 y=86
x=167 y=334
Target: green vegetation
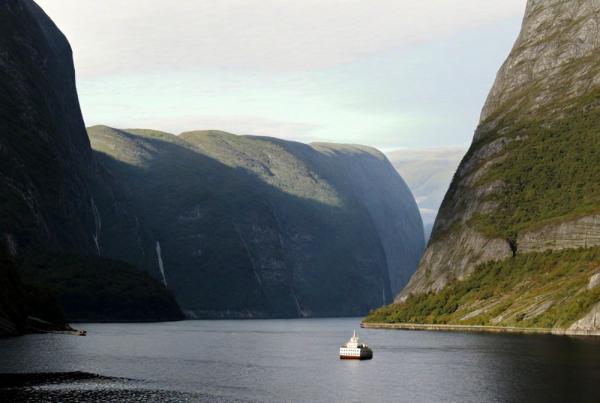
x=534 y=162
x=533 y=290
x=94 y=289
x=549 y=174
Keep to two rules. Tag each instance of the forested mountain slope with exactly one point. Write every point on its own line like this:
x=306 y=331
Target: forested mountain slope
x=527 y=194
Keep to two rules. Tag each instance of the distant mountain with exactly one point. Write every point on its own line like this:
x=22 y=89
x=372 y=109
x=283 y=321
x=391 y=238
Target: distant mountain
x=53 y=191
x=259 y=227
x=428 y=173
x=517 y=239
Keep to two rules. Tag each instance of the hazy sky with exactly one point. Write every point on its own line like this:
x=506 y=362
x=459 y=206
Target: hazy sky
x=387 y=73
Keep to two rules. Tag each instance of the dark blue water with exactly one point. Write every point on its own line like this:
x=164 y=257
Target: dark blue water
x=297 y=360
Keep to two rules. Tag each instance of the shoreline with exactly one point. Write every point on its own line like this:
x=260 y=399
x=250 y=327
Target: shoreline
x=477 y=329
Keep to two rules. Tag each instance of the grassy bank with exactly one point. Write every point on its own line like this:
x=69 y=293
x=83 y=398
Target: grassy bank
x=538 y=290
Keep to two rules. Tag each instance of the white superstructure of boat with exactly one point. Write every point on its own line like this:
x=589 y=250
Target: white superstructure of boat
x=354 y=350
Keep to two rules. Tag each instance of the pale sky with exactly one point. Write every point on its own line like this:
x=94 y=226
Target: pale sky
x=386 y=73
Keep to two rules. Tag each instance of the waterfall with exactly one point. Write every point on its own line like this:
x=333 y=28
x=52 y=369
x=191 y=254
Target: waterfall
x=160 y=263
x=300 y=312
x=98 y=225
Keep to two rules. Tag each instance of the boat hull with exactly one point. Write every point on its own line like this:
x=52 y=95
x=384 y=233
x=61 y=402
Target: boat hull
x=348 y=357
x=355 y=354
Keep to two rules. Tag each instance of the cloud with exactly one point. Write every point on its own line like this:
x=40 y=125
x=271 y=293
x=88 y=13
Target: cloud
x=117 y=36
x=385 y=73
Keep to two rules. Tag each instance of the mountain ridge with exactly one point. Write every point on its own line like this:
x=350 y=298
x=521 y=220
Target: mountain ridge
x=272 y=202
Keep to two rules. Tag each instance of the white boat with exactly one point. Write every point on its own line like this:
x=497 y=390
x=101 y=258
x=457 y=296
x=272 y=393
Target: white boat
x=354 y=350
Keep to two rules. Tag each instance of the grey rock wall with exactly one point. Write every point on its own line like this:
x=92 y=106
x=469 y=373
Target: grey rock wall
x=580 y=233
x=554 y=33
x=589 y=323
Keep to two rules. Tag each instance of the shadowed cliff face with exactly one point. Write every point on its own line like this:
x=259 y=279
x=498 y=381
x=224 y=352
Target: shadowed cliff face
x=530 y=181
x=259 y=227
x=53 y=191
x=388 y=201
x=55 y=197
x=44 y=153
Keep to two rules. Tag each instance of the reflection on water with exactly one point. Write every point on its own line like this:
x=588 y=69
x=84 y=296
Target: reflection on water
x=296 y=360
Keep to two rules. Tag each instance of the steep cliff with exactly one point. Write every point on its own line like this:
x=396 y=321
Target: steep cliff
x=55 y=191
x=371 y=178
x=530 y=183
x=55 y=197
x=44 y=154
x=259 y=227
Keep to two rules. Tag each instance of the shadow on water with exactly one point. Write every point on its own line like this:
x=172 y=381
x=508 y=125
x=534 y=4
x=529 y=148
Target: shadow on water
x=81 y=386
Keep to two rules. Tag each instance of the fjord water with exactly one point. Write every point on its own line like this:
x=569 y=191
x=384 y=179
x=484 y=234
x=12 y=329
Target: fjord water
x=297 y=360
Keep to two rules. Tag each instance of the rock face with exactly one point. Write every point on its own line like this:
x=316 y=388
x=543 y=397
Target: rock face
x=530 y=181
x=55 y=197
x=259 y=227
x=55 y=193
x=557 y=37
x=579 y=233
x=588 y=323
x=44 y=154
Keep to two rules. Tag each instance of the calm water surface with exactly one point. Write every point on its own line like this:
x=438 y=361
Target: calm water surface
x=297 y=360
